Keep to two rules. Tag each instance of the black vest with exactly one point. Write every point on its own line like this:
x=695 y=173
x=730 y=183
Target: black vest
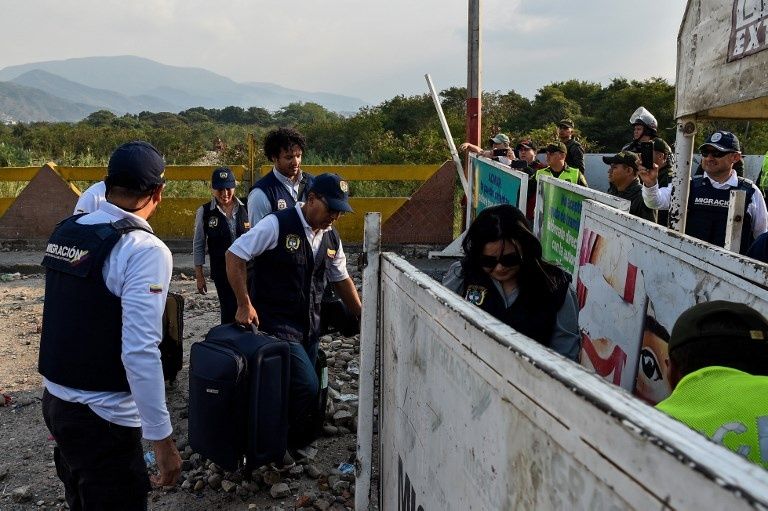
x=288 y=281
x=218 y=236
x=532 y=319
x=81 y=339
x=278 y=195
x=708 y=212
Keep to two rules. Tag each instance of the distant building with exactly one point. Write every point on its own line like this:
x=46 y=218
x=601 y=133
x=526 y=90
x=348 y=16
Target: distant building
x=7 y=119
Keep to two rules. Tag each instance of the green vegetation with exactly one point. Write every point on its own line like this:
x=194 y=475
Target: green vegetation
x=401 y=130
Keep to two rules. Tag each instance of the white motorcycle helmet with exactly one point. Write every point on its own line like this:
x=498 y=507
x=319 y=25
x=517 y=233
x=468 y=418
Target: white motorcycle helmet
x=644 y=117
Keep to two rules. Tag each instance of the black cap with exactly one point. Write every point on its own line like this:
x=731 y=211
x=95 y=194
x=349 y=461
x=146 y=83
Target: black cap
x=555 y=147
x=137 y=166
x=719 y=319
x=525 y=144
x=661 y=146
x=627 y=158
x=334 y=190
x=222 y=178
x=724 y=141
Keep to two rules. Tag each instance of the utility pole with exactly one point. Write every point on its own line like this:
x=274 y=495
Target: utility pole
x=473 y=74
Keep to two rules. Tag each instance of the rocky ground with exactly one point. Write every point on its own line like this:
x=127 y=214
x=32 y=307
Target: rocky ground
x=28 y=479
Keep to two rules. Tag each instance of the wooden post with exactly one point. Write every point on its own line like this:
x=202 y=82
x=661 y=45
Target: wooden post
x=251 y=160
x=474 y=91
x=681 y=182
x=736 y=210
x=447 y=133
x=368 y=345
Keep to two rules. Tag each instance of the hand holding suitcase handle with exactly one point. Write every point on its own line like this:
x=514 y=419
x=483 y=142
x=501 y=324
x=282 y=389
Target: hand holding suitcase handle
x=246 y=315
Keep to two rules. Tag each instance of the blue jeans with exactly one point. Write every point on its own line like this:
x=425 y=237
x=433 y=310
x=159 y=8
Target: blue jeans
x=304 y=389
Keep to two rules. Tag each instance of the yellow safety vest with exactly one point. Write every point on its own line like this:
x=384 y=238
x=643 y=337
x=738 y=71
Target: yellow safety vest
x=727 y=406
x=568 y=174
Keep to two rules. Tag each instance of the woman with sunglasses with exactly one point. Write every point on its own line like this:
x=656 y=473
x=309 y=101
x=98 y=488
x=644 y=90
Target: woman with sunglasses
x=502 y=273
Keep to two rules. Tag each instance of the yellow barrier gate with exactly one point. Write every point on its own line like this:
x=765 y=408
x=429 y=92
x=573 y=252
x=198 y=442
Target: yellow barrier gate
x=50 y=196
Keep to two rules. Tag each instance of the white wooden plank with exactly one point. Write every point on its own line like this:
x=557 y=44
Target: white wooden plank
x=569 y=439
x=733 y=226
x=368 y=346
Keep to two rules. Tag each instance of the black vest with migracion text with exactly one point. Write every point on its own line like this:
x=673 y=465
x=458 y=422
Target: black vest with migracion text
x=707 y=215
x=81 y=341
x=288 y=281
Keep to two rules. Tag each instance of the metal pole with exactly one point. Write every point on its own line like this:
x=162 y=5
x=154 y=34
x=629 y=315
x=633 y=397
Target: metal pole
x=474 y=91
x=470 y=193
x=447 y=133
x=368 y=345
x=681 y=182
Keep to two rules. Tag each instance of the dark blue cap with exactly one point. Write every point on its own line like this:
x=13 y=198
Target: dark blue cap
x=137 y=166
x=334 y=190
x=724 y=141
x=222 y=178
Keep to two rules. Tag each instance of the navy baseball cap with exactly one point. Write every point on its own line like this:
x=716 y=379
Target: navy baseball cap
x=137 y=166
x=724 y=141
x=222 y=178
x=334 y=190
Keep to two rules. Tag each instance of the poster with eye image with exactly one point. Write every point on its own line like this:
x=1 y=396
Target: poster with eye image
x=633 y=280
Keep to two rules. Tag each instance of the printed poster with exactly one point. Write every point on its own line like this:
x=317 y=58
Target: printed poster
x=495 y=184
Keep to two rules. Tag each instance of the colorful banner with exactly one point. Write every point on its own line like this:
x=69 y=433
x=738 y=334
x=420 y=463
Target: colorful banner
x=558 y=217
x=495 y=184
x=633 y=282
x=560 y=230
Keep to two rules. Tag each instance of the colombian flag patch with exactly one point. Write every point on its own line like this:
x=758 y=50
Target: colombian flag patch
x=155 y=289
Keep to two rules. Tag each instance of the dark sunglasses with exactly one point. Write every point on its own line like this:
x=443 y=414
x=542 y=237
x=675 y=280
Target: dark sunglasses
x=507 y=260
x=716 y=154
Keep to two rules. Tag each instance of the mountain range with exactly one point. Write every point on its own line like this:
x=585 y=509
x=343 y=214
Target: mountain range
x=69 y=90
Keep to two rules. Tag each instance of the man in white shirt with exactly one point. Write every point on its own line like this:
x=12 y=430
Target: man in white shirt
x=107 y=278
x=91 y=198
x=709 y=196
x=286 y=184
x=295 y=251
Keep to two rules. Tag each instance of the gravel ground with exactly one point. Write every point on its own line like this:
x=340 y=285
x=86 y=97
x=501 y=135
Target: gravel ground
x=27 y=474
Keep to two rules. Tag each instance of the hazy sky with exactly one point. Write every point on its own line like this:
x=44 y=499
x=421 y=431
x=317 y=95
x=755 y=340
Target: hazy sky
x=372 y=50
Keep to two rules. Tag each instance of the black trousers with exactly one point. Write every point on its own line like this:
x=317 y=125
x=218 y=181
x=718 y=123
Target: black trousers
x=227 y=300
x=100 y=463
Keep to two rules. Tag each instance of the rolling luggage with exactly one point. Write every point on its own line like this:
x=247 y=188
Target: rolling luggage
x=238 y=397
x=172 y=344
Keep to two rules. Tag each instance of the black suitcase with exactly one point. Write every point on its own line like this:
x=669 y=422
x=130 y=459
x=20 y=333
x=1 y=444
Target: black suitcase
x=238 y=397
x=172 y=343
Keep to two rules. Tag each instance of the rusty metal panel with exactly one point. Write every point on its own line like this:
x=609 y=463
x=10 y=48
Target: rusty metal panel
x=475 y=416
x=722 y=71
